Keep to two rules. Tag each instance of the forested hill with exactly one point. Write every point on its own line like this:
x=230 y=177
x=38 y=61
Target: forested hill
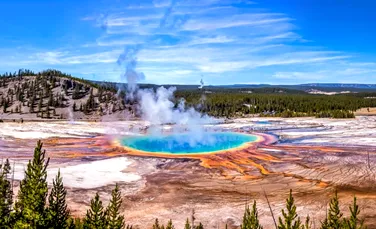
x=51 y=94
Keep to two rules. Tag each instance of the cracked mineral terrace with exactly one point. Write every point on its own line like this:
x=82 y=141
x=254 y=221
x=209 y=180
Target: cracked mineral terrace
x=313 y=157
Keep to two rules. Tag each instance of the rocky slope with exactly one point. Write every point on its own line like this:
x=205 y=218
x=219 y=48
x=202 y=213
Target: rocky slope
x=52 y=95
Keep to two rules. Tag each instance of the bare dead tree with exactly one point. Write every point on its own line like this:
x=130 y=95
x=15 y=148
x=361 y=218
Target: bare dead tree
x=270 y=208
x=193 y=219
x=14 y=168
x=1 y=165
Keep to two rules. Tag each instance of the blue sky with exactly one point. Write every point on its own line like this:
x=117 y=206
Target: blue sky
x=180 y=41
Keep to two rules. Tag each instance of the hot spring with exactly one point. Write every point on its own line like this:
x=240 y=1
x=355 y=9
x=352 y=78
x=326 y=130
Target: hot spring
x=185 y=143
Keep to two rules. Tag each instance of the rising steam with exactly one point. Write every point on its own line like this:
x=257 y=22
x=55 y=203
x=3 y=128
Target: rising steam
x=157 y=106
x=129 y=59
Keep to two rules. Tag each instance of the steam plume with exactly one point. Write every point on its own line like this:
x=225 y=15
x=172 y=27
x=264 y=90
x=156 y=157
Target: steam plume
x=158 y=106
x=201 y=84
x=129 y=59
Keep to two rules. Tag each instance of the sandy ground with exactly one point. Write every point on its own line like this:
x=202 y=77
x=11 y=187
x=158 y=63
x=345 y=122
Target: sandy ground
x=313 y=158
x=366 y=111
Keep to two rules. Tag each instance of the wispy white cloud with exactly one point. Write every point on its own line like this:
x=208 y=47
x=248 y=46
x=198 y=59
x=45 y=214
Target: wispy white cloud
x=49 y=57
x=214 y=59
x=124 y=20
x=288 y=36
x=161 y=3
x=234 y=21
x=69 y=58
x=121 y=40
x=210 y=40
x=181 y=39
x=331 y=73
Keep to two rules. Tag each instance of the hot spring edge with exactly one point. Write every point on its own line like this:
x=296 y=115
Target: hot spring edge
x=184 y=144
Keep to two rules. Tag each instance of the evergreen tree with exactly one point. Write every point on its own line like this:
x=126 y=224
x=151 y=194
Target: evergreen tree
x=75 y=224
x=6 y=195
x=30 y=207
x=354 y=222
x=156 y=225
x=76 y=92
x=307 y=224
x=290 y=219
x=40 y=104
x=5 y=106
x=170 y=225
x=325 y=224
x=58 y=213
x=334 y=219
x=32 y=104
x=95 y=216
x=114 y=219
x=187 y=225
x=250 y=219
x=200 y=226
x=50 y=99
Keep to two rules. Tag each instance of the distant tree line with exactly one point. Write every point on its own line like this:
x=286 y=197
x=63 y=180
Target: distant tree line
x=235 y=104
x=36 y=208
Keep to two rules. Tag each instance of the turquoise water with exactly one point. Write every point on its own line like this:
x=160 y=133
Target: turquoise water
x=263 y=122
x=188 y=143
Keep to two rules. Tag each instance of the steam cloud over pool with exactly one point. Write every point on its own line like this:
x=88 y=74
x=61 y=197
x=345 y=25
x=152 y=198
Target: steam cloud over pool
x=183 y=144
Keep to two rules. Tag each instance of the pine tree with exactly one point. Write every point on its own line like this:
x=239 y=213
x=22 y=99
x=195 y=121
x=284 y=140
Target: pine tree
x=50 y=99
x=76 y=92
x=114 y=219
x=250 y=219
x=32 y=104
x=156 y=225
x=5 y=107
x=95 y=216
x=200 y=226
x=30 y=207
x=40 y=104
x=187 y=225
x=6 y=196
x=75 y=224
x=307 y=224
x=354 y=222
x=325 y=224
x=58 y=213
x=170 y=225
x=290 y=218
x=334 y=214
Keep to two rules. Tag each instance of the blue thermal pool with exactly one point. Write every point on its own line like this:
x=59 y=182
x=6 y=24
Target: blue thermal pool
x=188 y=143
x=263 y=122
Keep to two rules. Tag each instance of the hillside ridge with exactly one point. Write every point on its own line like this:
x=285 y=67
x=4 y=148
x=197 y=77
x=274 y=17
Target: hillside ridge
x=54 y=95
